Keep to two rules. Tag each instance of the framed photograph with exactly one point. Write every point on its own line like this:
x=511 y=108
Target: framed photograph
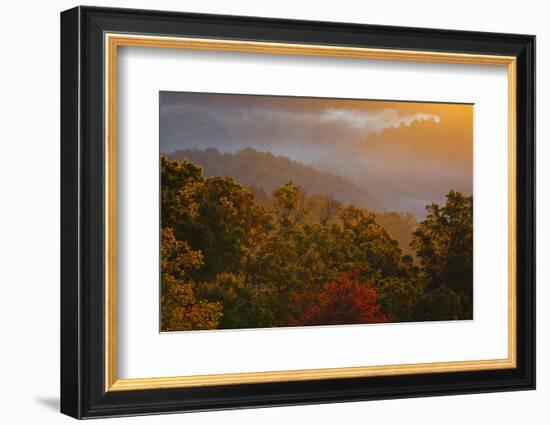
x=261 y=212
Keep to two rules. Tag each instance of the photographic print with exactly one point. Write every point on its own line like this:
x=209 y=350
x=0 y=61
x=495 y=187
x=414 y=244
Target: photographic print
x=280 y=211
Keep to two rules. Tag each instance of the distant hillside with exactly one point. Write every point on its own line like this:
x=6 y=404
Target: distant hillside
x=267 y=171
x=400 y=226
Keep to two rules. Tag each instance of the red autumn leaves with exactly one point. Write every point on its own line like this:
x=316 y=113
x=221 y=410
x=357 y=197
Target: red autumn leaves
x=347 y=300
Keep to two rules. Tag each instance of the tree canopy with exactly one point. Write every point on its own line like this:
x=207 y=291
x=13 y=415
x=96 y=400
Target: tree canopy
x=238 y=257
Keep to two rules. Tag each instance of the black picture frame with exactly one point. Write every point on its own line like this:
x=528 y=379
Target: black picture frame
x=83 y=392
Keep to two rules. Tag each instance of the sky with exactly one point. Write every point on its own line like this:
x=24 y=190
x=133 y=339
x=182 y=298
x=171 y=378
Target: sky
x=409 y=154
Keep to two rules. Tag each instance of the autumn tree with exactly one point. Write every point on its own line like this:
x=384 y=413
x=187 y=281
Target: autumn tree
x=180 y=310
x=347 y=300
x=181 y=182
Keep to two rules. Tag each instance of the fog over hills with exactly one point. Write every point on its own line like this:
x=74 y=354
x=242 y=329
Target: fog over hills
x=267 y=171
x=390 y=155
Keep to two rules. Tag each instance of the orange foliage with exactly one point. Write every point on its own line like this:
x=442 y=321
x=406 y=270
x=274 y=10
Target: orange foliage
x=347 y=300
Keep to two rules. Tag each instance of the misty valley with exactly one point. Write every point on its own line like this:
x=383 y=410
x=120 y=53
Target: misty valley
x=282 y=212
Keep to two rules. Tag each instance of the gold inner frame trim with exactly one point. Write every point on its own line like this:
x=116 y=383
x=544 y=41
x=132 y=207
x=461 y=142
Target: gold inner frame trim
x=113 y=41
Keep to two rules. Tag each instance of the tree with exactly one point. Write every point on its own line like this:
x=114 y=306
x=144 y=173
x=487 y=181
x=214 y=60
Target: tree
x=347 y=300
x=289 y=206
x=398 y=298
x=180 y=310
x=329 y=210
x=366 y=243
x=444 y=245
x=231 y=229
x=181 y=182
x=440 y=304
x=216 y=216
x=233 y=257
x=243 y=307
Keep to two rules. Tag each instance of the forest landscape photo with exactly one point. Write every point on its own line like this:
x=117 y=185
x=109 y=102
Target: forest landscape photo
x=281 y=211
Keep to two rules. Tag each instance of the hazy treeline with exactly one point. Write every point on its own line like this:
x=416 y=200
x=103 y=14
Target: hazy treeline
x=238 y=257
x=267 y=171
x=262 y=172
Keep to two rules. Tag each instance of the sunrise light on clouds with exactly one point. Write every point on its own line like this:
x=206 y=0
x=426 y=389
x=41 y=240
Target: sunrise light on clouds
x=406 y=153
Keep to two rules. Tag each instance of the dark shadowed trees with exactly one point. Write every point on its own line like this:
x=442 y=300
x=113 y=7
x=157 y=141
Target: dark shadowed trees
x=444 y=246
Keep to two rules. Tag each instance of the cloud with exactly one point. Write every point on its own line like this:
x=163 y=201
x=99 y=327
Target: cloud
x=368 y=121
x=407 y=152
x=231 y=127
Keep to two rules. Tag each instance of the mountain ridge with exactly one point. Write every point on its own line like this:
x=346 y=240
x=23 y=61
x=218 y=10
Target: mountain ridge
x=268 y=171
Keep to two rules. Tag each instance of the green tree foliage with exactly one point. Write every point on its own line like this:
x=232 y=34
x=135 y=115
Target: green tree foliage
x=444 y=245
x=367 y=243
x=440 y=304
x=180 y=309
x=233 y=257
x=243 y=307
x=217 y=216
x=398 y=299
